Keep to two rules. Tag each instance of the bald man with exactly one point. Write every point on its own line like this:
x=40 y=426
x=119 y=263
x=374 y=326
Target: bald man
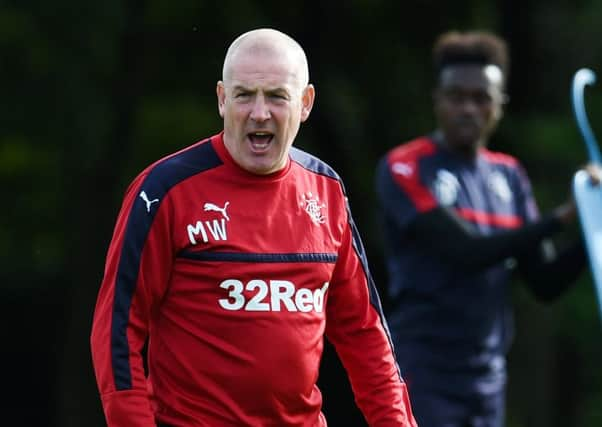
x=233 y=258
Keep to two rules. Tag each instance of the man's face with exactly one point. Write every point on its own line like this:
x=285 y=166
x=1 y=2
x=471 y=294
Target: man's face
x=263 y=102
x=468 y=104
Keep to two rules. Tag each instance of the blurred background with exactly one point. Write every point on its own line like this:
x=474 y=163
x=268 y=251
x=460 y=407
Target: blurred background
x=92 y=92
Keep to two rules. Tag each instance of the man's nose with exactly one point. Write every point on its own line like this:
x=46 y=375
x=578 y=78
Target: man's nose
x=469 y=105
x=260 y=111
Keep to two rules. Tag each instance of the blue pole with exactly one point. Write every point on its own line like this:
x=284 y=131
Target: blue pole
x=584 y=77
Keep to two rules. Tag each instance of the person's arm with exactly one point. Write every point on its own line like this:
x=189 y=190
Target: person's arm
x=550 y=273
x=356 y=326
x=455 y=241
x=547 y=273
x=411 y=206
x=136 y=272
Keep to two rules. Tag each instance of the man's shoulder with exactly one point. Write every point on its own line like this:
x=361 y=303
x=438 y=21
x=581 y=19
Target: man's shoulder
x=173 y=168
x=312 y=163
x=405 y=161
x=499 y=158
x=412 y=149
x=198 y=156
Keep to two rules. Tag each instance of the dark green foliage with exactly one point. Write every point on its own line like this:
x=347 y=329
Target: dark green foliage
x=92 y=92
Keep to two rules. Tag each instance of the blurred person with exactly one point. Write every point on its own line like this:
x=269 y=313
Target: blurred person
x=458 y=220
x=234 y=257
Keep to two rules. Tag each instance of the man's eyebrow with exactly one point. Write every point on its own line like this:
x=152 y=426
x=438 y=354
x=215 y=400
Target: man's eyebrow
x=277 y=90
x=241 y=88
x=461 y=86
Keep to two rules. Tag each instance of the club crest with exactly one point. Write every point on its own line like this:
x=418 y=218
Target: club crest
x=313 y=207
x=498 y=185
x=446 y=187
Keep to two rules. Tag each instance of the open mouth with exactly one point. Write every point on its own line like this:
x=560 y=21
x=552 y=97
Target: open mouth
x=260 y=141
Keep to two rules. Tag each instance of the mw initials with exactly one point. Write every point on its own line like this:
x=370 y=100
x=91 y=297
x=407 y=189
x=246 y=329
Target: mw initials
x=215 y=228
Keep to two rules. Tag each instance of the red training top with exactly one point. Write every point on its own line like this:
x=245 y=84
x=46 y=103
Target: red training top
x=234 y=278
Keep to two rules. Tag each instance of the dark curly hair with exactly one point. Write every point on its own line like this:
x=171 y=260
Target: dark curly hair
x=472 y=47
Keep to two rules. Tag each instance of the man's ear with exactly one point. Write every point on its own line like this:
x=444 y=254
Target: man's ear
x=307 y=101
x=499 y=112
x=505 y=99
x=221 y=97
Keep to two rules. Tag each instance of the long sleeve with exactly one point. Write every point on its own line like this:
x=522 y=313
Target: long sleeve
x=550 y=273
x=450 y=237
x=358 y=330
x=136 y=274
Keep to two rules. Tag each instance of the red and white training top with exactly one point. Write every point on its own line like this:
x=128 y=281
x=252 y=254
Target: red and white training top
x=234 y=278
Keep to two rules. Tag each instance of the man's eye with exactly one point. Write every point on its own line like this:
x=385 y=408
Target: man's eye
x=455 y=96
x=459 y=97
x=482 y=98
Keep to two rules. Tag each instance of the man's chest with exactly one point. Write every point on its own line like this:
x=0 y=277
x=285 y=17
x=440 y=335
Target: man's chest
x=265 y=249
x=216 y=215
x=482 y=188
